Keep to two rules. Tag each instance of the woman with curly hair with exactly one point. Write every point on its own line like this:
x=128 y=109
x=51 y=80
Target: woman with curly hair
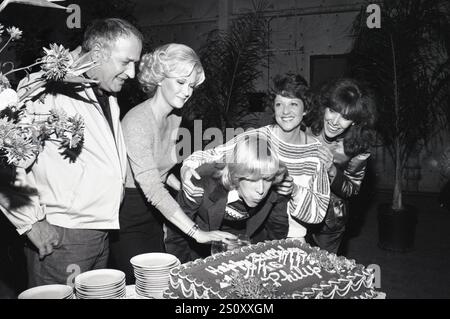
x=342 y=117
x=307 y=184
x=168 y=75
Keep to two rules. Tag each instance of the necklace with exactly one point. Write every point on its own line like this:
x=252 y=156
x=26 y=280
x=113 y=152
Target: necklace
x=326 y=139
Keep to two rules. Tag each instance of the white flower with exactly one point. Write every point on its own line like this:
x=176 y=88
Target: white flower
x=8 y=97
x=56 y=62
x=14 y=33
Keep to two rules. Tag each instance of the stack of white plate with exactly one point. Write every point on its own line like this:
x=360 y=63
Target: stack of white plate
x=152 y=272
x=48 y=292
x=100 y=284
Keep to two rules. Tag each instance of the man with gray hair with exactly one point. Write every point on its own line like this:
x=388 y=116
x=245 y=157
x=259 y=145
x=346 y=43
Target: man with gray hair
x=78 y=198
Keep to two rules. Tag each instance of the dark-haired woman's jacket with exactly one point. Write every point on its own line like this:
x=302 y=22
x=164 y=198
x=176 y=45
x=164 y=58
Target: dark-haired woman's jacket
x=350 y=172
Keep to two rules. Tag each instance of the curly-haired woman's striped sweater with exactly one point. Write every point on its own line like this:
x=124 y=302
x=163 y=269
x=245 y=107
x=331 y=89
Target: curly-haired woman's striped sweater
x=303 y=164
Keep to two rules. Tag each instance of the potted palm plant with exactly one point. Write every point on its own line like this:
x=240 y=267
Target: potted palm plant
x=406 y=61
x=233 y=60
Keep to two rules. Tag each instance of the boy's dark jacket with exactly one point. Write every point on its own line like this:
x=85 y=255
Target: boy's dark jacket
x=269 y=222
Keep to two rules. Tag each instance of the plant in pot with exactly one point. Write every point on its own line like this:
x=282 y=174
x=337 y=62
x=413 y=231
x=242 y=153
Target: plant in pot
x=406 y=62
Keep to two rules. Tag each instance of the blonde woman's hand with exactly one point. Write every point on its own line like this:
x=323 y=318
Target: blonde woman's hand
x=286 y=186
x=186 y=183
x=204 y=237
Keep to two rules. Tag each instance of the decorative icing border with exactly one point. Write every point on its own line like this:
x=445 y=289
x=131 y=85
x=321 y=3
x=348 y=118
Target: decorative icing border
x=191 y=287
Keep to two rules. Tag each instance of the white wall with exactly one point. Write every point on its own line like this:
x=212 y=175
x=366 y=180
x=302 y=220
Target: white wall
x=299 y=29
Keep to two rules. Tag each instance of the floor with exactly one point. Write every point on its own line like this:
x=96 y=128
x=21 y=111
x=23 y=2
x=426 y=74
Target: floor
x=421 y=273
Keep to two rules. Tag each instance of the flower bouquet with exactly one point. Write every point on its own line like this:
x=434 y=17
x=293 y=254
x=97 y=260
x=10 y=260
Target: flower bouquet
x=20 y=139
x=23 y=135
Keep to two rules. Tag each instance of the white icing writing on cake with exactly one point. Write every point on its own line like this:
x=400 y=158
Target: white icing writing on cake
x=291 y=256
x=276 y=265
x=279 y=276
x=230 y=266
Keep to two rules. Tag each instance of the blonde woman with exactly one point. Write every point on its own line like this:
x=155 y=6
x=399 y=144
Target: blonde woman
x=342 y=117
x=168 y=75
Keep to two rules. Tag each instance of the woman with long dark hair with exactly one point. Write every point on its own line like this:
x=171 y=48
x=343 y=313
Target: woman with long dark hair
x=169 y=76
x=342 y=117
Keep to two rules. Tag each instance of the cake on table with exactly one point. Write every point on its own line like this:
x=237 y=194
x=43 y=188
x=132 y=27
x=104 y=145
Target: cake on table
x=287 y=269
